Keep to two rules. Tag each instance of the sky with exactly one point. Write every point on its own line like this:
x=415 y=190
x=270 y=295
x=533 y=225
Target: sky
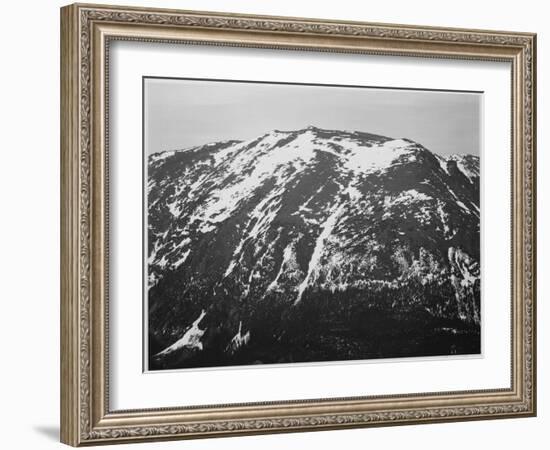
x=181 y=113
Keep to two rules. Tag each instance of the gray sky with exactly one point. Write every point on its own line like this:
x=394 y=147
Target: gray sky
x=184 y=113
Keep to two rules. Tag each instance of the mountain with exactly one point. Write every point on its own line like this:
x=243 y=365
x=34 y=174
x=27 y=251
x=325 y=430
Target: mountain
x=311 y=245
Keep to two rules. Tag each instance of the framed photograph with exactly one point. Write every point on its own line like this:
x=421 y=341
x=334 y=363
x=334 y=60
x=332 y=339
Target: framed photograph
x=275 y=224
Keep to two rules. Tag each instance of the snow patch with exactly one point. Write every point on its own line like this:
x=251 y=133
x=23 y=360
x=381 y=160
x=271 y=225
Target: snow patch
x=191 y=339
x=174 y=208
x=181 y=260
x=458 y=202
x=407 y=197
x=238 y=340
x=288 y=255
x=354 y=193
x=161 y=155
x=368 y=159
x=444 y=217
x=326 y=230
x=468 y=170
x=442 y=163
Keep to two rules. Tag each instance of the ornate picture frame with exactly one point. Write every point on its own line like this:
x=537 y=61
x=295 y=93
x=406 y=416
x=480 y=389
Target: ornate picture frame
x=86 y=34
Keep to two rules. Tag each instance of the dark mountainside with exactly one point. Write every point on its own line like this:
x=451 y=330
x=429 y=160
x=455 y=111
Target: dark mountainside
x=311 y=245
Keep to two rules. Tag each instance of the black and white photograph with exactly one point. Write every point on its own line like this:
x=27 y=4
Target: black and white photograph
x=304 y=223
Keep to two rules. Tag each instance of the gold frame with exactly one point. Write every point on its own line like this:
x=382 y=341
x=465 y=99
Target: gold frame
x=86 y=31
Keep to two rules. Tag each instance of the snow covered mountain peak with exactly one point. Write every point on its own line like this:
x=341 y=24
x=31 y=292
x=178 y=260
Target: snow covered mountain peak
x=292 y=216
